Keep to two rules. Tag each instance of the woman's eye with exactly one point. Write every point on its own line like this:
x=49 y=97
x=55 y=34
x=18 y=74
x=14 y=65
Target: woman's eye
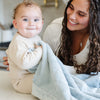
x=82 y=15
x=71 y=7
x=25 y=19
x=36 y=20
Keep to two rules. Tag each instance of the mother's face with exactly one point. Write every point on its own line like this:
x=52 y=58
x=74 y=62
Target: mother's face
x=78 y=15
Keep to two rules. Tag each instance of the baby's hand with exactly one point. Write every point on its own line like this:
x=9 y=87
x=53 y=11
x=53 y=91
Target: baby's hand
x=36 y=46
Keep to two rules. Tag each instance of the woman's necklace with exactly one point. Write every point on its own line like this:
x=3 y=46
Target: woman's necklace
x=81 y=43
x=80 y=46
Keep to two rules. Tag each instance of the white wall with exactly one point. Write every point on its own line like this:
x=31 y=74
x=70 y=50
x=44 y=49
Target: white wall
x=1 y=12
x=6 y=13
x=8 y=6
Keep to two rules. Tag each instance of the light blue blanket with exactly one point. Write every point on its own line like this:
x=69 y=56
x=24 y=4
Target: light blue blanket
x=56 y=81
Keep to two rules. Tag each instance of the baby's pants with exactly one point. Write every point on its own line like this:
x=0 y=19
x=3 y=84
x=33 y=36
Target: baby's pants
x=23 y=85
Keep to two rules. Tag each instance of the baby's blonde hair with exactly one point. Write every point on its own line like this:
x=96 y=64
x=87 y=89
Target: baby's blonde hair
x=26 y=3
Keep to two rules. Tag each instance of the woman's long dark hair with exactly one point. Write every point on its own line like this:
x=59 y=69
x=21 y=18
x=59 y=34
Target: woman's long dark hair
x=64 y=50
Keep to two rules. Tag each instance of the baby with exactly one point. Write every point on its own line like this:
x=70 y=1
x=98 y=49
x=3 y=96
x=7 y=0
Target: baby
x=24 y=51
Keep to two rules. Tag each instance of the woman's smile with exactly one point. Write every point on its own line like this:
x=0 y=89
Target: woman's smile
x=72 y=22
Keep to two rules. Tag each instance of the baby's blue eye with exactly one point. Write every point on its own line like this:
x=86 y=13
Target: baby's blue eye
x=36 y=20
x=25 y=19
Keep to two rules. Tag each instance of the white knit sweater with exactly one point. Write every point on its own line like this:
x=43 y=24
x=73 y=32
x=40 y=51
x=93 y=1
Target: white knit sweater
x=22 y=55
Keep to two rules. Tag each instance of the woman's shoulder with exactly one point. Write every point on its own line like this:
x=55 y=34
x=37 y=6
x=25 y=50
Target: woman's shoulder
x=53 y=32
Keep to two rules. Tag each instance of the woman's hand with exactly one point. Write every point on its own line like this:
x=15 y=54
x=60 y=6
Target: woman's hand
x=6 y=62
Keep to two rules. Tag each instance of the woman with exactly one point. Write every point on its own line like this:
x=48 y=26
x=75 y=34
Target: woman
x=80 y=40
x=80 y=37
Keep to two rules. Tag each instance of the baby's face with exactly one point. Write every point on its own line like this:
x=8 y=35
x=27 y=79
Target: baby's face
x=28 y=21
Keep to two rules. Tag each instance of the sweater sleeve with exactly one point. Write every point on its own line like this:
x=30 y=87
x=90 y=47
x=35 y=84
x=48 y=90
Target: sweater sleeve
x=23 y=57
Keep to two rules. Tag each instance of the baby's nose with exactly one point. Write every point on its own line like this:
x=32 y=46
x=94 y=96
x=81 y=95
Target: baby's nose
x=31 y=23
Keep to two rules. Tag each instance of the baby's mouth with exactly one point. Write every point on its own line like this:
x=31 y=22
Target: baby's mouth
x=31 y=28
